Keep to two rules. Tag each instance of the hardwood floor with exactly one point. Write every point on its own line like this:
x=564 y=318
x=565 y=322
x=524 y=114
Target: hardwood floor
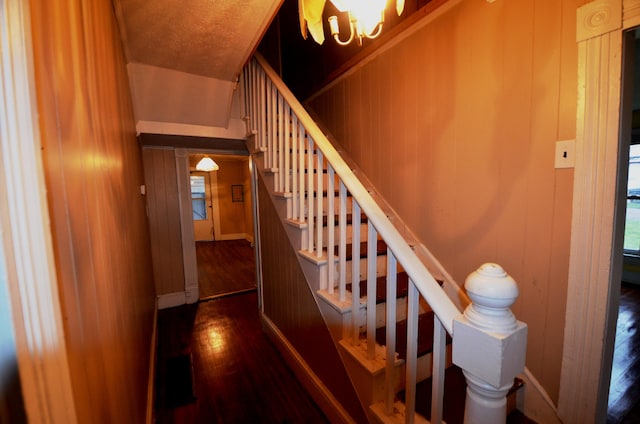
x=239 y=377
x=225 y=267
x=624 y=390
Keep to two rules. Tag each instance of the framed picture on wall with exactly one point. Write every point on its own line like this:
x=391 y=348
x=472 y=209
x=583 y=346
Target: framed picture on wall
x=237 y=194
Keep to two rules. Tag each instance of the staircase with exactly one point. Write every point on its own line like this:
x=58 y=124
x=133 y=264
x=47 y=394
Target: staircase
x=389 y=305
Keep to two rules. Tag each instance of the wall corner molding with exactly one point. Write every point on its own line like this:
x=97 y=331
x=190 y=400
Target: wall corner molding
x=597 y=18
x=27 y=263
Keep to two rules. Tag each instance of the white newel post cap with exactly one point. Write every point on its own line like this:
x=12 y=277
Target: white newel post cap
x=492 y=292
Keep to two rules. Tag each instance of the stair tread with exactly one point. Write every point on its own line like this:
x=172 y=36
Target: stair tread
x=455 y=386
x=425 y=335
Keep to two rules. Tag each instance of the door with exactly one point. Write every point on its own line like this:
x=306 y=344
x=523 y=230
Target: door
x=201 y=202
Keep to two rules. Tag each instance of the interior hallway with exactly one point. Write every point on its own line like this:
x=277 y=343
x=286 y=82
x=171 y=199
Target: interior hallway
x=238 y=375
x=225 y=267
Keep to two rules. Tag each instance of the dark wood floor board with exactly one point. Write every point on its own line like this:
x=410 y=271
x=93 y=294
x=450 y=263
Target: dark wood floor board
x=239 y=375
x=624 y=390
x=224 y=267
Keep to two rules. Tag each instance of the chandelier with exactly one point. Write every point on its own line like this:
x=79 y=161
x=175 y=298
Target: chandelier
x=365 y=18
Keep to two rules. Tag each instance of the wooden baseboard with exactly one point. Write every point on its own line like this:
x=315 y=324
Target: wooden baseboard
x=151 y=392
x=235 y=236
x=537 y=404
x=170 y=300
x=316 y=388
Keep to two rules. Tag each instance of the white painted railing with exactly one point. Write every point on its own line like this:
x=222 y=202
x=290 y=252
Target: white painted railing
x=305 y=166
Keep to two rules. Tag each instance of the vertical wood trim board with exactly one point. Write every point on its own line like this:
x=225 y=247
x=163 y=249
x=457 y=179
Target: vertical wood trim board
x=215 y=198
x=164 y=219
x=93 y=171
x=592 y=272
x=151 y=385
x=26 y=254
x=188 y=241
x=290 y=305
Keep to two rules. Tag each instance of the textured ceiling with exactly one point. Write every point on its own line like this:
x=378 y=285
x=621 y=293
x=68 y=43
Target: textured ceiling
x=211 y=38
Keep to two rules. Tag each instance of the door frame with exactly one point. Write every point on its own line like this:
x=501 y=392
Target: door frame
x=595 y=265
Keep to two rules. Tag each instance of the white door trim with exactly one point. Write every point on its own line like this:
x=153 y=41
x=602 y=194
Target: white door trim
x=191 y=287
x=25 y=229
x=596 y=252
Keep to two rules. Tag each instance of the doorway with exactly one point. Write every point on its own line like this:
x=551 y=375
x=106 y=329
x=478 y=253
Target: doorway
x=221 y=205
x=623 y=403
x=202 y=201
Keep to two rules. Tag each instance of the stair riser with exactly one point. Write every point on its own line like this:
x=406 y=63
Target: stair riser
x=381 y=268
x=325 y=180
x=315 y=206
x=424 y=368
x=401 y=311
x=315 y=273
x=381 y=314
x=282 y=205
x=349 y=234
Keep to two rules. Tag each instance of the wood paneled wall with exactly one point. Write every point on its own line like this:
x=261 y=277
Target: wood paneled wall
x=456 y=126
x=289 y=303
x=93 y=171
x=164 y=219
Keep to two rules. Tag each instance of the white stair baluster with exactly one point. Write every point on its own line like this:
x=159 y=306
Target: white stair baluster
x=286 y=174
x=391 y=331
x=312 y=196
x=295 y=198
x=331 y=228
x=439 y=363
x=412 y=353
x=342 y=249
x=355 y=273
x=280 y=118
x=372 y=242
x=319 y=201
x=301 y=201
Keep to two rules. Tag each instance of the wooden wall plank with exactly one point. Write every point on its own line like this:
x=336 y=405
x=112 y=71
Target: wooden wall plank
x=164 y=219
x=93 y=172
x=289 y=303
x=468 y=110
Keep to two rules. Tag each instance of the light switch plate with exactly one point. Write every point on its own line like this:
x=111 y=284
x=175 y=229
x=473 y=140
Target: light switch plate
x=565 y=153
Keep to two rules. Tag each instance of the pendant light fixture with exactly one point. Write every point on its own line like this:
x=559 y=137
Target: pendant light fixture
x=207 y=164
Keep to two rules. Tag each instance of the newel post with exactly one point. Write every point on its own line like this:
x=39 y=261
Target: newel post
x=489 y=344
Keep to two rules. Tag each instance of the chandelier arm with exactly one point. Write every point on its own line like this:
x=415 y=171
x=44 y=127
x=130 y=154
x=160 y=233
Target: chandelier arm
x=376 y=32
x=378 y=29
x=336 y=35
